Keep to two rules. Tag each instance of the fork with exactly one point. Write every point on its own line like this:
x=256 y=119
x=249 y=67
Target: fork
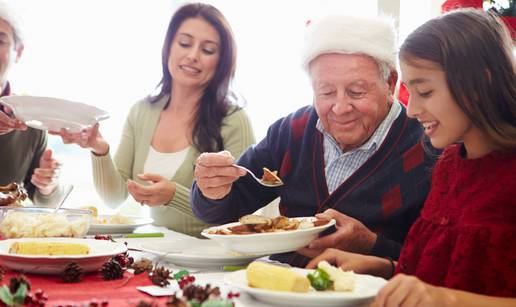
x=260 y=181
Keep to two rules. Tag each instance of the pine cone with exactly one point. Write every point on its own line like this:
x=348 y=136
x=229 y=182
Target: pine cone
x=72 y=273
x=160 y=276
x=200 y=293
x=111 y=270
x=142 y=265
x=147 y=304
x=173 y=301
x=15 y=282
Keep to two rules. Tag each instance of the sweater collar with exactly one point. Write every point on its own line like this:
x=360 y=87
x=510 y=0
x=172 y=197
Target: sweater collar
x=375 y=140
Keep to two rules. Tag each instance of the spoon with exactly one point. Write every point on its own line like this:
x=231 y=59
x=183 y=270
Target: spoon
x=69 y=189
x=260 y=181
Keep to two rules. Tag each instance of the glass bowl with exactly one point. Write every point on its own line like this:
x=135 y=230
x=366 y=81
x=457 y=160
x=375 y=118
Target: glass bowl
x=37 y=222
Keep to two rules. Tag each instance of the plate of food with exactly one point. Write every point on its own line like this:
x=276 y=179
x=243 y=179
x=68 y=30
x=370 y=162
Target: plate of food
x=53 y=114
x=51 y=255
x=297 y=287
x=117 y=223
x=196 y=253
x=12 y=195
x=259 y=235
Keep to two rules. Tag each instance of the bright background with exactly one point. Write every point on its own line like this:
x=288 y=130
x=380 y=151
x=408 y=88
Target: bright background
x=108 y=53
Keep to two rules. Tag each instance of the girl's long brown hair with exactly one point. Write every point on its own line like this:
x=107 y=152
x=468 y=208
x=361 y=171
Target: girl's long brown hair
x=475 y=51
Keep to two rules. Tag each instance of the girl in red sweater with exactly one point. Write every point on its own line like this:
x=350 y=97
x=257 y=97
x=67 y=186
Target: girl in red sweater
x=460 y=72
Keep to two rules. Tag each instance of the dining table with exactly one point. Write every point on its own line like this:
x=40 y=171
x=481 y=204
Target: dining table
x=132 y=289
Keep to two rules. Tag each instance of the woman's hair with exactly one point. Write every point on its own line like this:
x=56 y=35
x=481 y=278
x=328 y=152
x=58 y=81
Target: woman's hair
x=475 y=51
x=215 y=101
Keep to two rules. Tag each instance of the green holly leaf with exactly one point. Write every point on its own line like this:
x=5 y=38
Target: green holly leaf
x=217 y=303
x=194 y=303
x=180 y=274
x=5 y=296
x=19 y=296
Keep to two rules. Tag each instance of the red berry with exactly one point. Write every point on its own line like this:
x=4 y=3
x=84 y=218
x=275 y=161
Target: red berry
x=38 y=293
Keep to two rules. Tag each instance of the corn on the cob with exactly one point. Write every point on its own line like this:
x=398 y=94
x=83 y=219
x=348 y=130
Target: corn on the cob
x=48 y=248
x=267 y=276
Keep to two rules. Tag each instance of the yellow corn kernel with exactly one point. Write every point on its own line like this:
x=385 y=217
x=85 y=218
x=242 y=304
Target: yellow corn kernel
x=268 y=276
x=48 y=248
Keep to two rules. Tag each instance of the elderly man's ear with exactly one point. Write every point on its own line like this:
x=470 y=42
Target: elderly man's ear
x=393 y=79
x=19 y=51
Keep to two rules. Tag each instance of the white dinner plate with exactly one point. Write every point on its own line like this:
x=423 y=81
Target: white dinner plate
x=53 y=114
x=119 y=228
x=366 y=288
x=100 y=252
x=196 y=253
x=266 y=243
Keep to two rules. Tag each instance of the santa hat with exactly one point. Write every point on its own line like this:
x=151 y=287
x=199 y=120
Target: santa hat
x=372 y=36
x=9 y=15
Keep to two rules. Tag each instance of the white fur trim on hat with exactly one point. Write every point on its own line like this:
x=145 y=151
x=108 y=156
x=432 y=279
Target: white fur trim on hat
x=374 y=37
x=8 y=14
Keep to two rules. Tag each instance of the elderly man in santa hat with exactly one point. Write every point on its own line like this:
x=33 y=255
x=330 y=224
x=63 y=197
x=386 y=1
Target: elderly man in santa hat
x=353 y=155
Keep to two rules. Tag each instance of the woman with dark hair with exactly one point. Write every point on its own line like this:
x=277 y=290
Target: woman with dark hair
x=460 y=71
x=164 y=134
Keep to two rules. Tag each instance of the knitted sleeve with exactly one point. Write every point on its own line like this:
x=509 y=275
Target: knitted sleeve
x=246 y=195
x=110 y=175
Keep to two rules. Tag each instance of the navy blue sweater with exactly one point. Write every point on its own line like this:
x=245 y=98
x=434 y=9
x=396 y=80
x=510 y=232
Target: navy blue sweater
x=386 y=193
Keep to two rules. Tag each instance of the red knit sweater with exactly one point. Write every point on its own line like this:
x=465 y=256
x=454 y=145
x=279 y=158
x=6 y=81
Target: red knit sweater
x=466 y=236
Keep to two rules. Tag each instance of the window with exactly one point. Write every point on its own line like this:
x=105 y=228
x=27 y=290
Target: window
x=108 y=54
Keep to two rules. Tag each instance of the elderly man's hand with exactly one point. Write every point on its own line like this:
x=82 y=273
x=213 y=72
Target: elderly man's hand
x=8 y=124
x=351 y=236
x=46 y=176
x=215 y=174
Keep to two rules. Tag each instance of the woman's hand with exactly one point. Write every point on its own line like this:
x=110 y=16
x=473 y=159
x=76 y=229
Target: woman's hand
x=89 y=138
x=159 y=192
x=215 y=174
x=357 y=263
x=46 y=176
x=351 y=236
x=409 y=291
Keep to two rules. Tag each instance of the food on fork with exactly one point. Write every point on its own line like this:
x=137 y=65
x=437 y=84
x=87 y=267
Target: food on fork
x=253 y=223
x=270 y=177
x=48 y=248
x=12 y=195
x=272 y=277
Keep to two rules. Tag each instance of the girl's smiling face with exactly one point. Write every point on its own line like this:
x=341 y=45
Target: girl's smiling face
x=432 y=103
